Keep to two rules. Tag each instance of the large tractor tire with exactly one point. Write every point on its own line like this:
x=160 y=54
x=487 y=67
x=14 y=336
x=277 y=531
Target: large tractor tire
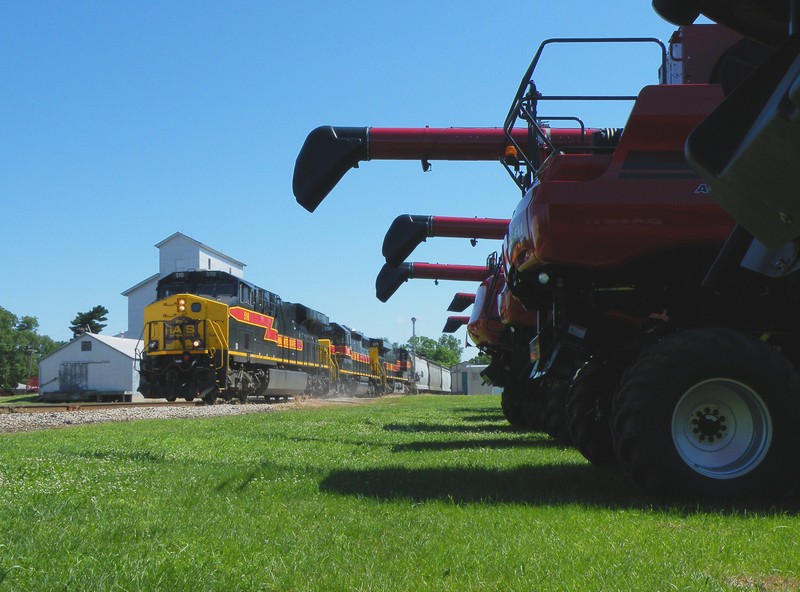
x=554 y=412
x=513 y=409
x=532 y=409
x=709 y=413
x=589 y=411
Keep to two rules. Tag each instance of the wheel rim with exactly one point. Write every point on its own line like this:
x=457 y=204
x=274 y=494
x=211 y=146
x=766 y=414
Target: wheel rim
x=721 y=428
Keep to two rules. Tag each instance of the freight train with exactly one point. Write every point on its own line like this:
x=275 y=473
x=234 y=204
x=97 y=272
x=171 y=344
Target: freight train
x=212 y=335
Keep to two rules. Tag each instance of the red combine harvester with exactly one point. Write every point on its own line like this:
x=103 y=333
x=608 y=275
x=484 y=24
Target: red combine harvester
x=503 y=337
x=329 y=152
x=650 y=367
x=634 y=357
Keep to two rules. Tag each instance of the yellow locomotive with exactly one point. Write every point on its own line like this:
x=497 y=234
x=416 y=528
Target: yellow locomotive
x=210 y=334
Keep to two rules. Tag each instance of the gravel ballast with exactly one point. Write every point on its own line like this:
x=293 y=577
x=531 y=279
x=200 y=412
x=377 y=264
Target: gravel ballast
x=26 y=422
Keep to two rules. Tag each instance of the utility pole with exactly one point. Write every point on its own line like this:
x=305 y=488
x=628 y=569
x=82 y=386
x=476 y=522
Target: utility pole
x=414 y=349
x=31 y=350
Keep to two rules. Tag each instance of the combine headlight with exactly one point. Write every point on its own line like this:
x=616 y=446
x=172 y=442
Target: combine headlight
x=181 y=305
x=153 y=345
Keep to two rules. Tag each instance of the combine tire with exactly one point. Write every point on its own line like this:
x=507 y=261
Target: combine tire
x=709 y=413
x=554 y=412
x=513 y=409
x=532 y=410
x=589 y=411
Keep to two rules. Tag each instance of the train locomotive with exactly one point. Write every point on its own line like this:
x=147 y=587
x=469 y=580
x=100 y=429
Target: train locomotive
x=212 y=335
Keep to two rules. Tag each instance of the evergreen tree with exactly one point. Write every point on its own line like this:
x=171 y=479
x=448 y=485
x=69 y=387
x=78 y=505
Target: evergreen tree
x=92 y=321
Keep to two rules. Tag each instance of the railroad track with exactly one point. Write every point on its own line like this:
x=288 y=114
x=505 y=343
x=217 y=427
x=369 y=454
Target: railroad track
x=63 y=407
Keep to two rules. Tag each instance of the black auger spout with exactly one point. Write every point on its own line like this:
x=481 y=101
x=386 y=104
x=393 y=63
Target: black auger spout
x=327 y=154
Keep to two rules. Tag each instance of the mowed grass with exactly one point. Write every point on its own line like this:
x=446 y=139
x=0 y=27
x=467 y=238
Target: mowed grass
x=22 y=399
x=408 y=493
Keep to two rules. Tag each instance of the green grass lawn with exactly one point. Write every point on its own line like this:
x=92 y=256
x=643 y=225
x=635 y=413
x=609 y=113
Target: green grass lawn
x=412 y=493
x=24 y=398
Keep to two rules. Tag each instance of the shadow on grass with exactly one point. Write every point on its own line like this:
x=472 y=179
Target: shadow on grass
x=550 y=485
x=142 y=455
x=494 y=443
x=488 y=417
x=446 y=429
x=480 y=410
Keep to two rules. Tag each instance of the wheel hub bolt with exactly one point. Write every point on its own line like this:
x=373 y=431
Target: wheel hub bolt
x=708 y=425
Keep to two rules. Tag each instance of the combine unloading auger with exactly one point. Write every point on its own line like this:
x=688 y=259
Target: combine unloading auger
x=408 y=231
x=330 y=151
x=461 y=301
x=391 y=278
x=453 y=324
x=766 y=21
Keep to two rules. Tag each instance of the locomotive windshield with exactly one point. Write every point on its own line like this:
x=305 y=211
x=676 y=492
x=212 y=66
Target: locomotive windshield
x=211 y=284
x=225 y=288
x=174 y=288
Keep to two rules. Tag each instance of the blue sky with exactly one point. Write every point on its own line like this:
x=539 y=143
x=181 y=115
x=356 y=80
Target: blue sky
x=123 y=122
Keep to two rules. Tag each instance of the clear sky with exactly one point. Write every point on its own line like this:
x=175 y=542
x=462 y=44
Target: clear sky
x=124 y=122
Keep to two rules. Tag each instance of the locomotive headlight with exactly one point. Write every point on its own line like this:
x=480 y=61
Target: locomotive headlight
x=197 y=343
x=153 y=345
x=181 y=305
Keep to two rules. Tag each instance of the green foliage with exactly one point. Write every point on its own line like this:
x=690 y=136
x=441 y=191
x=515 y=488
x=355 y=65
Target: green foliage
x=402 y=494
x=447 y=351
x=20 y=348
x=481 y=358
x=92 y=321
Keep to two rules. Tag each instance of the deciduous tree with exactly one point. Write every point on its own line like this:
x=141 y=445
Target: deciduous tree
x=446 y=351
x=20 y=348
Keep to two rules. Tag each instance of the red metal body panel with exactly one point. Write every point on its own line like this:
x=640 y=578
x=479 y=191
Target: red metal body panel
x=494 y=308
x=513 y=313
x=484 y=327
x=603 y=211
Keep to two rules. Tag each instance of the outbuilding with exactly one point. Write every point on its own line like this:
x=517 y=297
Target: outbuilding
x=467 y=380
x=93 y=367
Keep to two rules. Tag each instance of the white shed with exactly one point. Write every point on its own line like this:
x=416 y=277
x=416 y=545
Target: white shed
x=90 y=367
x=467 y=380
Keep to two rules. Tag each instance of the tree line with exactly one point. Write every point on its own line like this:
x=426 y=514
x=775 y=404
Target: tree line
x=21 y=346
